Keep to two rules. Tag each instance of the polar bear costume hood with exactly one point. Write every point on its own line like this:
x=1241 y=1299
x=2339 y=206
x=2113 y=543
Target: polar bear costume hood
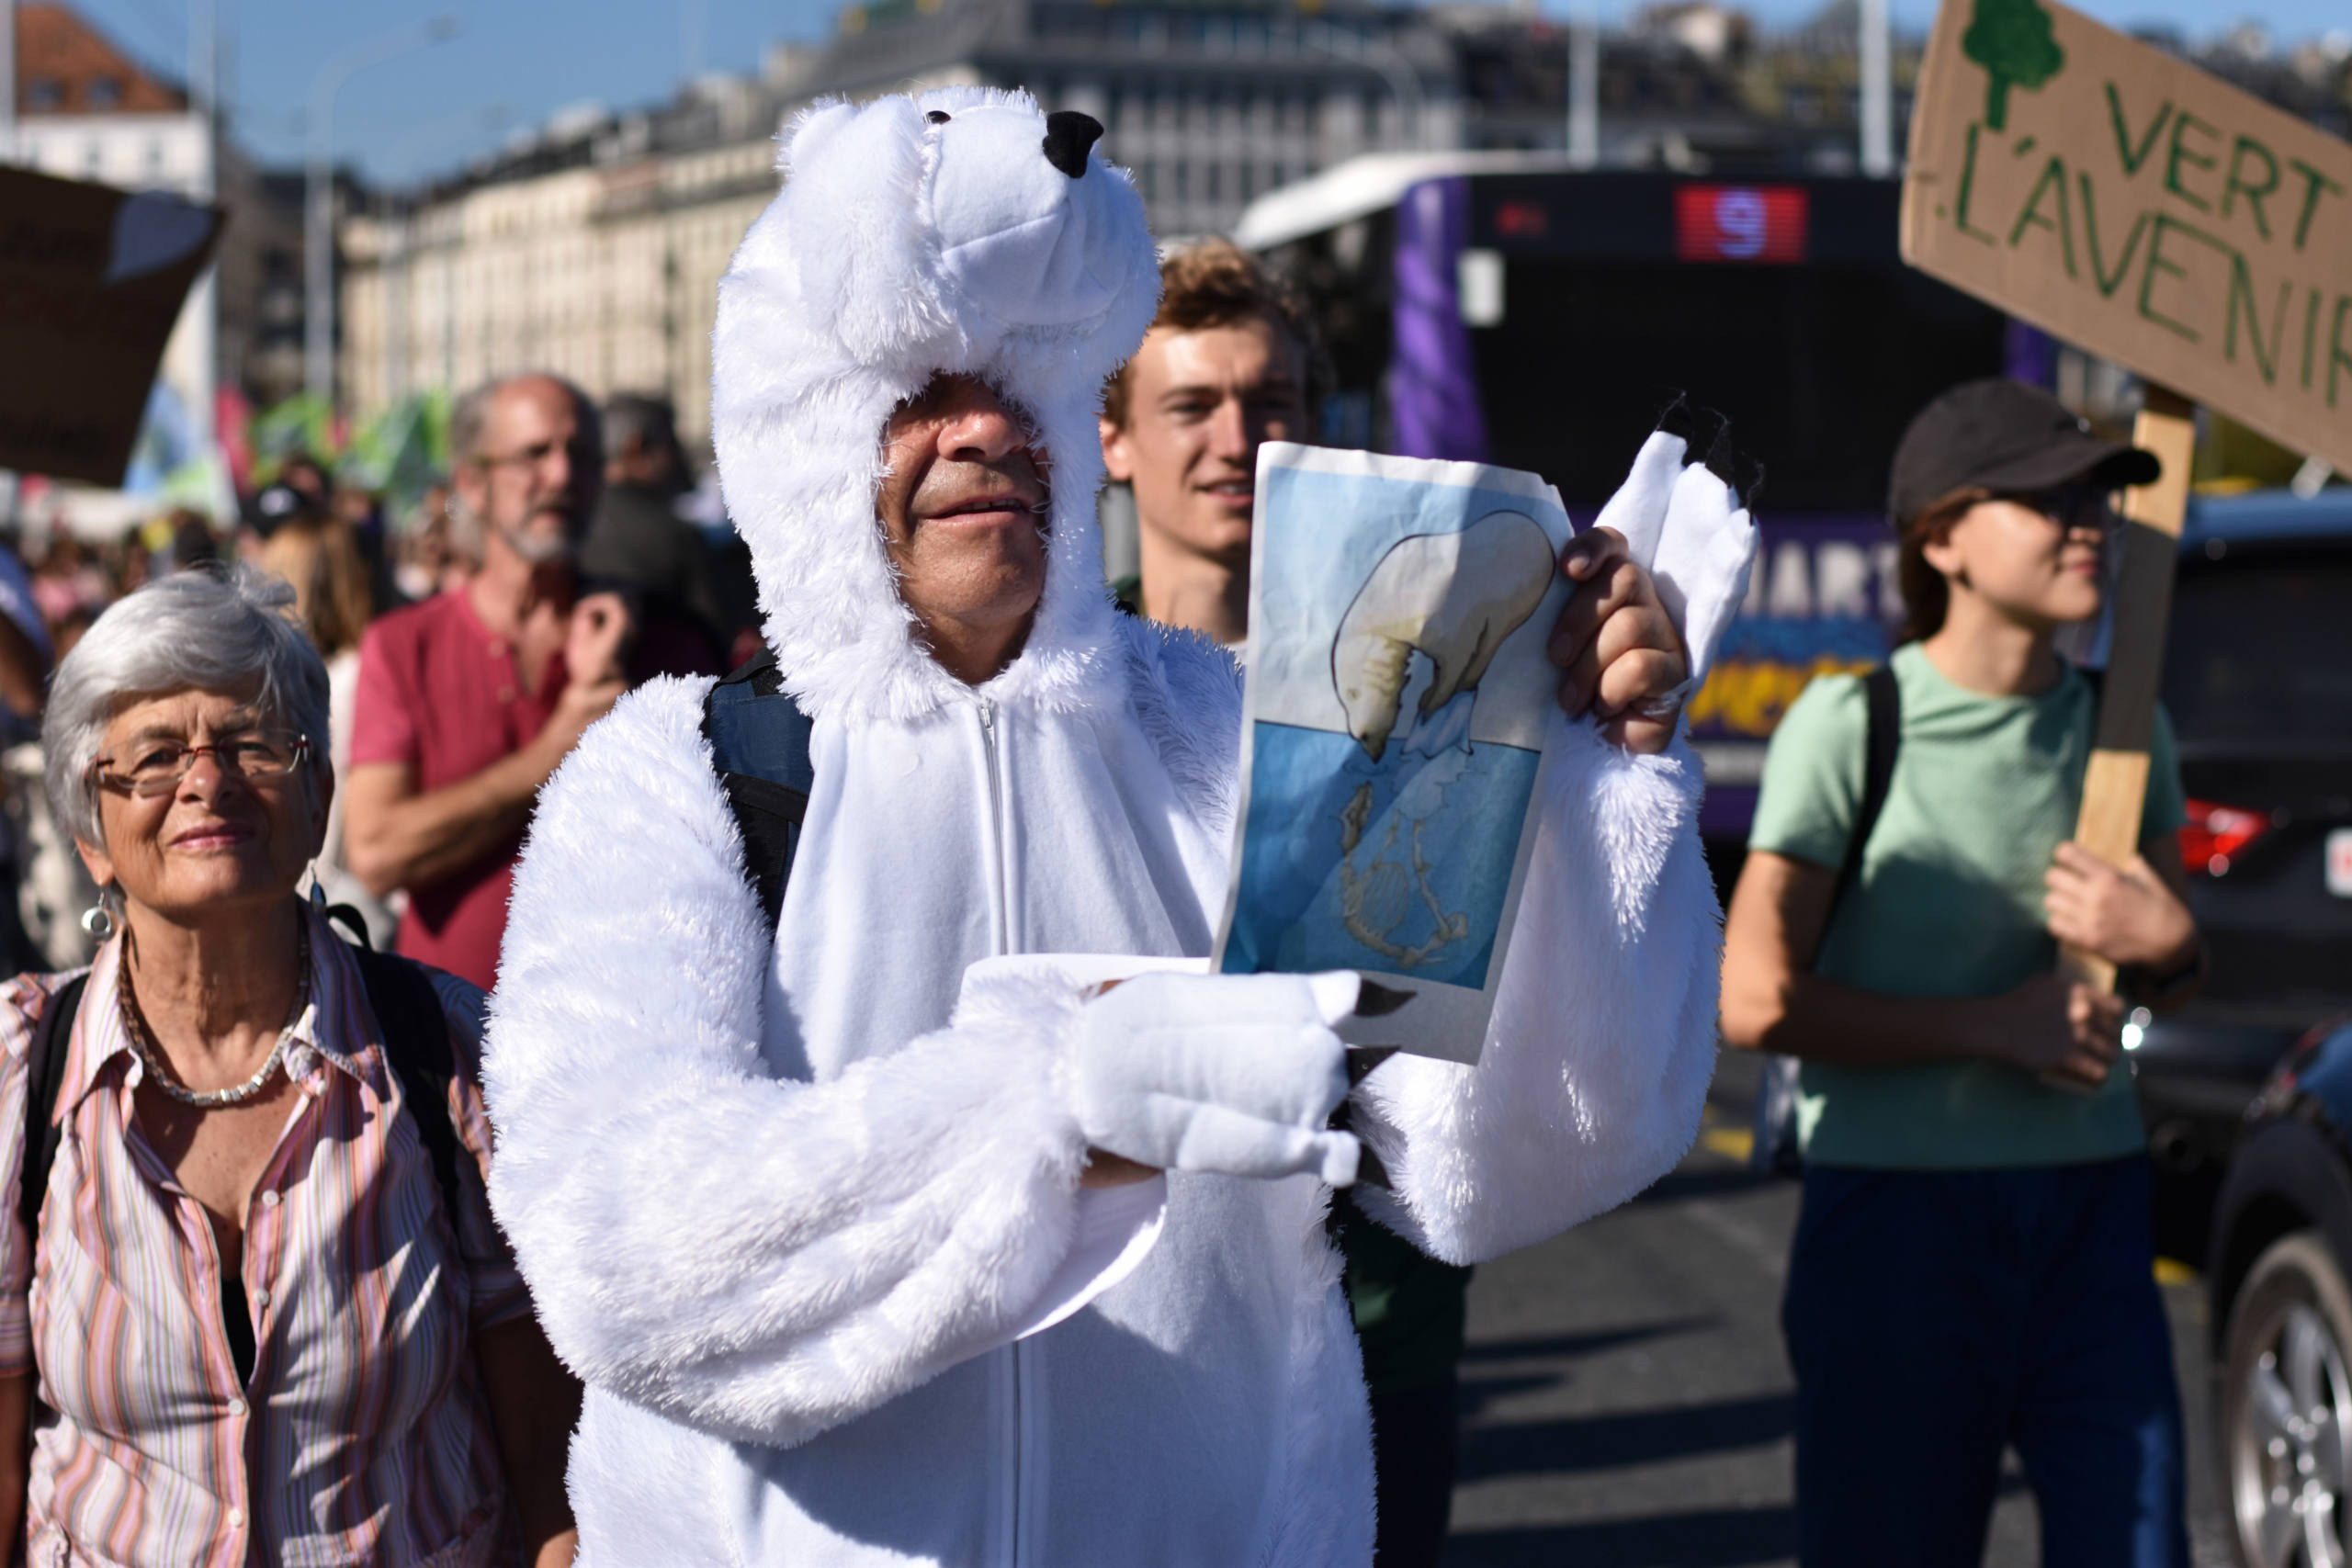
x=801 y=1205
x=916 y=235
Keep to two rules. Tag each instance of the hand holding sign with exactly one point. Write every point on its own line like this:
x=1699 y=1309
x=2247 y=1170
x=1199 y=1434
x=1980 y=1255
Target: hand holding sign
x=2161 y=218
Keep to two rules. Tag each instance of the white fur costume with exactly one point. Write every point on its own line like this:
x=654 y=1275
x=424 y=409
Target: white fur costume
x=794 y=1215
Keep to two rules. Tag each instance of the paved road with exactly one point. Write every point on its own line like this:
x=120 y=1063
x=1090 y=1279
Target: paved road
x=1626 y=1402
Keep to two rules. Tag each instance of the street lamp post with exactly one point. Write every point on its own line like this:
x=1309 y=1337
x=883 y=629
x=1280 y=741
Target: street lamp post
x=1584 y=84
x=1404 y=81
x=7 y=79
x=318 y=216
x=1878 y=92
x=399 y=243
x=203 y=97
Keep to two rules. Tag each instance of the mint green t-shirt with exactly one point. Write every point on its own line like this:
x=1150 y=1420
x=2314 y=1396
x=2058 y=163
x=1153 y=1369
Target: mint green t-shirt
x=1949 y=903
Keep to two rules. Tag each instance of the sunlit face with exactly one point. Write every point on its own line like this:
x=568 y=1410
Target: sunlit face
x=535 y=482
x=1199 y=405
x=217 y=841
x=2037 y=559
x=963 y=506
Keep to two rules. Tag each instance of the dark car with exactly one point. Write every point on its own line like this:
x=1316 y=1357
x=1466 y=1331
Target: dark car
x=2248 y=1093
x=2281 y=1313
x=2258 y=683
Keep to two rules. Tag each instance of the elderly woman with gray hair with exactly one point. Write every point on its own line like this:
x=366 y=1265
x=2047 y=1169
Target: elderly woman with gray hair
x=251 y=1265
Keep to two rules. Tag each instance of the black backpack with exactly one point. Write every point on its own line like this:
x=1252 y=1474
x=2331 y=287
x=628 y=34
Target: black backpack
x=759 y=747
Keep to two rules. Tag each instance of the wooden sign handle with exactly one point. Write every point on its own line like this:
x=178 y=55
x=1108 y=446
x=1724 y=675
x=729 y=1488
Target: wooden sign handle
x=2115 y=784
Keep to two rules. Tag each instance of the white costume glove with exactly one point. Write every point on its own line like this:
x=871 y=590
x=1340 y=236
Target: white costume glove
x=1688 y=528
x=1230 y=1074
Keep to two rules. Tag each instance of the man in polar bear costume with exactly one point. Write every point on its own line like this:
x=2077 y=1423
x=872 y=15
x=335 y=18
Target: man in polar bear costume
x=867 y=1259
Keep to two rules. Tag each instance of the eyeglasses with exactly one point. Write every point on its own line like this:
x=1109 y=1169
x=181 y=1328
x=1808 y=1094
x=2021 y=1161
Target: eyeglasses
x=2081 y=503
x=155 y=767
x=531 y=457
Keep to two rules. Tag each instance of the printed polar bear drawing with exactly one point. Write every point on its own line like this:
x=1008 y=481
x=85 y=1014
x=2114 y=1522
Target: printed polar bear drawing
x=1454 y=597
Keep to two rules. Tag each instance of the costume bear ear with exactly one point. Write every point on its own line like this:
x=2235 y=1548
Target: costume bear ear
x=811 y=128
x=856 y=226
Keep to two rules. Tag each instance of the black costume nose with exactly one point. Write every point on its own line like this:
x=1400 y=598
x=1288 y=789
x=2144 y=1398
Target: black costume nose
x=1067 y=136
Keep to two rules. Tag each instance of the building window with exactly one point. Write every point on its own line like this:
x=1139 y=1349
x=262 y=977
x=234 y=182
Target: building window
x=44 y=95
x=104 y=92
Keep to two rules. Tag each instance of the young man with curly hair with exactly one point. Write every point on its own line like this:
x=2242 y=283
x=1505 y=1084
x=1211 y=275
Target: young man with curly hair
x=1229 y=364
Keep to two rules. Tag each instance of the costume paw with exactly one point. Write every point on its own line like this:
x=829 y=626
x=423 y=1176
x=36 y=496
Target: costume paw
x=1231 y=1073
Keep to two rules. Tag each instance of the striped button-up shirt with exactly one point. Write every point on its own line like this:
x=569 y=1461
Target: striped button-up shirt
x=362 y=1436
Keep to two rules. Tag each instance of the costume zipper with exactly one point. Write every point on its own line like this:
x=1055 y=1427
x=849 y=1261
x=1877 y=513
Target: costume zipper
x=1000 y=896
x=1020 y=1438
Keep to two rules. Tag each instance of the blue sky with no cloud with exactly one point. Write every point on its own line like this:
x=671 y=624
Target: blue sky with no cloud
x=515 y=62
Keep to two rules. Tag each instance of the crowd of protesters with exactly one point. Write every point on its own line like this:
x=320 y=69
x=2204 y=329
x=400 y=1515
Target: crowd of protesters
x=656 y=583
x=320 y=700
x=378 y=1387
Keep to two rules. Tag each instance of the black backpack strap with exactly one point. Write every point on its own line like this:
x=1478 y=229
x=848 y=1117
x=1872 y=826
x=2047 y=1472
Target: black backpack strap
x=416 y=1048
x=1775 y=1149
x=44 y=1071
x=1882 y=737
x=758 y=746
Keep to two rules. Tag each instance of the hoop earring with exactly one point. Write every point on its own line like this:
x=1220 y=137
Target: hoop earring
x=98 y=921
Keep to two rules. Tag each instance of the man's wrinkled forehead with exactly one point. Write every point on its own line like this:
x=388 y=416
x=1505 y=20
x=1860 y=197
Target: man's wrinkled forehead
x=542 y=395
x=539 y=408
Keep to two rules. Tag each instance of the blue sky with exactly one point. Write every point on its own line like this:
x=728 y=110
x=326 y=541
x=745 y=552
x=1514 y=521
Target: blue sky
x=514 y=62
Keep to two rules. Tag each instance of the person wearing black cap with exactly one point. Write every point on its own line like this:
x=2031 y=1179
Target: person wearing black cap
x=274 y=505
x=1972 y=1266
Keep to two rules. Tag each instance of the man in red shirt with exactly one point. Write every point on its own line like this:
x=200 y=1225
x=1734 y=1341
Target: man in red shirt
x=468 y=701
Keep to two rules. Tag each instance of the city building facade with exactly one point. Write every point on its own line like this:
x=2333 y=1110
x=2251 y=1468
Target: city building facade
x=595 y=255
x=594 y=245
x=594 y=250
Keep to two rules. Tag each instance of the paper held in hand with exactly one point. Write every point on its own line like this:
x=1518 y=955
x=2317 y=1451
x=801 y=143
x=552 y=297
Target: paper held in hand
x=1399 y=697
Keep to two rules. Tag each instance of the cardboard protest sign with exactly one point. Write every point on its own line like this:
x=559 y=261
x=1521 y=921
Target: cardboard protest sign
x=2129 y=203
x=91 y=279
x=1398 y=696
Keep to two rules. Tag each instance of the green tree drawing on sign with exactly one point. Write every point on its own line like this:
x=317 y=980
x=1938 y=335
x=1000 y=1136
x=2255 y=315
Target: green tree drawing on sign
x=2011 y=40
